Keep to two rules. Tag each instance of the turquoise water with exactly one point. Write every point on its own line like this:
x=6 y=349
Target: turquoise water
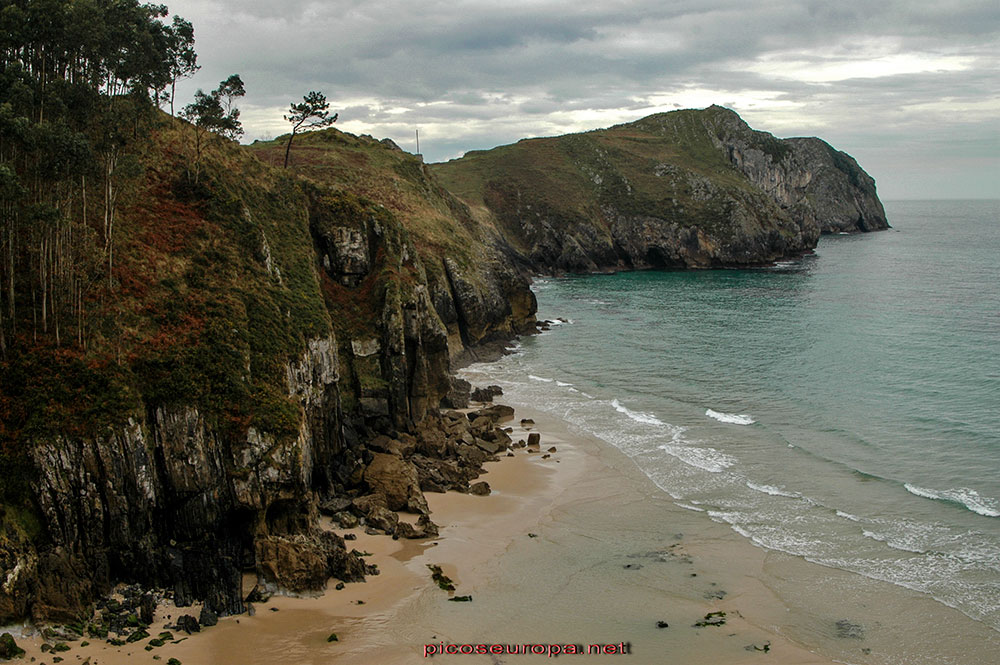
x=843 y=407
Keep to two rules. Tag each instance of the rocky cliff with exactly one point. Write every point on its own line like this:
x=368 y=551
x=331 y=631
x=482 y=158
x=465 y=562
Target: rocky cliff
x=686 y=189
x=265 y=327
x=273 y=344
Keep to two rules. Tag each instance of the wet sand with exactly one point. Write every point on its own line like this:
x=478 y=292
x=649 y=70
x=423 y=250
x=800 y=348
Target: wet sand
x=579 y=548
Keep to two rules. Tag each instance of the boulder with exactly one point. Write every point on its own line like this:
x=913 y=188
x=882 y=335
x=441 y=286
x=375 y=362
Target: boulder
x=346 y=520
x=207 y=617
x=500 y=436
x=472 y=455
x=481 y=424
x=330 y=507
x=407 y=530
x=382 y=518
x=304 y=562
x=534 y=439
x=188 y=624
x=489 y=447
x=498 y=412
x=486 y=394
x=9 y=648
x=398 y=481
x=402 y=446
x=147 y=607
x=430 y=529
x=482 y=488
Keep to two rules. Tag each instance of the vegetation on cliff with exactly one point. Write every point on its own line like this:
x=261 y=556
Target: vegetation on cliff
x=691 y=188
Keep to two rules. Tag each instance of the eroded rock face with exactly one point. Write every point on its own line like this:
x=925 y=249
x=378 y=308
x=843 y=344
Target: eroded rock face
x=173 y=501
x=188 y=496
x=345 y=253
x=822 y=189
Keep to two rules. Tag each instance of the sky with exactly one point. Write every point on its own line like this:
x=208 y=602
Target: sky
x=910 y=88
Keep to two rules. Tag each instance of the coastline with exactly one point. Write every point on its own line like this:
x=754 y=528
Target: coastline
x=608 y=557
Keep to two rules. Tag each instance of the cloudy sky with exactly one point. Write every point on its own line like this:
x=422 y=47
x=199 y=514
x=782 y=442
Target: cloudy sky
x=911 y=88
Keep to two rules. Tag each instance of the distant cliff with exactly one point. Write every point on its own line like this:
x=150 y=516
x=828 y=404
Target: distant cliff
x=685 y=189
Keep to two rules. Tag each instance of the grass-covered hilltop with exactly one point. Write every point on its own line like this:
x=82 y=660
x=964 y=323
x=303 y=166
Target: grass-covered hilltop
x=201 y=350
x=685 y=189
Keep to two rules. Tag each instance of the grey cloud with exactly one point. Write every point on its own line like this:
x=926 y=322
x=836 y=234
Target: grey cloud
x=518 y=64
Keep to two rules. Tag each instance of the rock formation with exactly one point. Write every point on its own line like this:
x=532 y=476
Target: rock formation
x=686 y=189
x=276 y=344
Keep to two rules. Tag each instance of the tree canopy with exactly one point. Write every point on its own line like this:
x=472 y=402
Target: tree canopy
x=78 y=78
x=214 y=112
x=312 y=113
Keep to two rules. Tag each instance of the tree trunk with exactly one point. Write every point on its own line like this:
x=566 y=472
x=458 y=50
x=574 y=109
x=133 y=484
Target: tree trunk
x=288 y=147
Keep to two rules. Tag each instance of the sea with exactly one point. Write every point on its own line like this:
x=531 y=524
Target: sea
x=842 y=408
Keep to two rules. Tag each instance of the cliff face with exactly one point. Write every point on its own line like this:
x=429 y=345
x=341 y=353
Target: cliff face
x=265 y=328
x=811 y=181
x=687 y=189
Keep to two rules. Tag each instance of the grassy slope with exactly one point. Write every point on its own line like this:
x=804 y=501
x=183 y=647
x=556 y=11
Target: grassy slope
x=376 y=173
x=645 y=168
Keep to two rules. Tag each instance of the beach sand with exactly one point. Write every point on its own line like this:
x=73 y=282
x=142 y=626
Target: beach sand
x=577 y=548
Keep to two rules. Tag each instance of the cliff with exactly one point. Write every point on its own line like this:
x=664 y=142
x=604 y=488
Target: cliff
x=260 y=330
x=270 y=344
x=685 y=189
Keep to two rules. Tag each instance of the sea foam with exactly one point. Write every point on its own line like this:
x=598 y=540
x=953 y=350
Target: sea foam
x=969 y=498
x=731 y=418
x=637 y=416
x=706 y=459
x=773 y=491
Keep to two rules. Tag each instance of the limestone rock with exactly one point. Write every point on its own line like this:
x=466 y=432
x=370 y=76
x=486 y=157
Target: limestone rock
x=304 y=562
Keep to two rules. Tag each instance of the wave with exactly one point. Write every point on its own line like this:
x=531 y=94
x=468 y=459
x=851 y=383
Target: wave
x=706 y=459
x=965 y=496
x=773 y=491
x=901 y=544
x=637 y=416
x=563 y=384
x=539 y=378
x=848 y=516
x=731 y=418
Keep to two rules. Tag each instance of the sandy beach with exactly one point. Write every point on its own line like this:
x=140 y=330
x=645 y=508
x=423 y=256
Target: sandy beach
x=573 y=547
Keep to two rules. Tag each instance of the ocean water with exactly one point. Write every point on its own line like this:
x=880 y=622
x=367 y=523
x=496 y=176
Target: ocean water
x=843 y=408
